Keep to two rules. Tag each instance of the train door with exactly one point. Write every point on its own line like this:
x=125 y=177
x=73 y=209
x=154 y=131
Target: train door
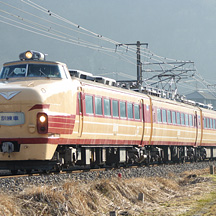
x=80 y=110
x=147 y=122
x=143 y=120
x=198 y=124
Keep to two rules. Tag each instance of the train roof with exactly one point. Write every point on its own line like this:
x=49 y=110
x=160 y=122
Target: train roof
x=32 y=62
x=32 y=57
x=157 y=94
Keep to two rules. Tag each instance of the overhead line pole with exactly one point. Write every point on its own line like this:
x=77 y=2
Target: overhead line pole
x=139 y=63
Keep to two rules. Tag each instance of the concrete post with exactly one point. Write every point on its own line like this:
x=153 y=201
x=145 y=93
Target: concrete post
x=141 y=197
x=212 y=169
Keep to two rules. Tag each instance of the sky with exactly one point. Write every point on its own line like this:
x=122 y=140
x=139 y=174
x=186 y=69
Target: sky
x=181 y=30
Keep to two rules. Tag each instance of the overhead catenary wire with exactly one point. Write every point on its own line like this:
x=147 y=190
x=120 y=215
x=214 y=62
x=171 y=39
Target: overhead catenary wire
x=79 y=42
x=44 y=10
x=124 y=53
x=51 y=29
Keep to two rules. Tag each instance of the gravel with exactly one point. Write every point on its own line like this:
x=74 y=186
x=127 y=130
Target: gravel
x=15 y=184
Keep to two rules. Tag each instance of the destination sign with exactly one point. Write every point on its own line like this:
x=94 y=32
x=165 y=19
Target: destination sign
x=12 y=118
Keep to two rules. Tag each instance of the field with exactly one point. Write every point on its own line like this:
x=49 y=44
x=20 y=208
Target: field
x=188 y=193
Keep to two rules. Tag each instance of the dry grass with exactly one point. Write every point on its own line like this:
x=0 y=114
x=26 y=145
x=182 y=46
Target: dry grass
x=161 y=197
x=8 y=205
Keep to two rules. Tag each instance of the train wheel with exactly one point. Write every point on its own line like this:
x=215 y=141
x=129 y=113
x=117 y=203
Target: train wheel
x=14 y=172
x=183 y=160
x=28 y=171
x=46 y=171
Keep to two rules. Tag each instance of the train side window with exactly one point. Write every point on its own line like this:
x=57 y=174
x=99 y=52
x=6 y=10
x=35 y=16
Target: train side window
x=79 y=101
x=174 y=117
x=178 y=118
x=122 y=109
x=214 y=123
x=159 y=117
x=89 y=104
x=169 y=116
x=186 y=120
x=211 y=123
x=164 y=116
x=207 y=123
x=130 y=110
x=204 y=122
x=107 y=107
x=195 y=121
x=191 y=120
x=137 y=112
x=115 y=108
x=182 y=118
x=98 y=106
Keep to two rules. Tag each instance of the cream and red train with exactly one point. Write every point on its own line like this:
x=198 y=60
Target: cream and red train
x=50 y=119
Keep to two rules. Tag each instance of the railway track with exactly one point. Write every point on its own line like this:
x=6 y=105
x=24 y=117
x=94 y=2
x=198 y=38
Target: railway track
x=77 y=170
x=21 y=174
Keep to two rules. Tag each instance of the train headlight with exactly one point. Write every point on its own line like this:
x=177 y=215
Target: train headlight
x=42 y=123
x=32 y=55
x=42 y=119
x=28 y=55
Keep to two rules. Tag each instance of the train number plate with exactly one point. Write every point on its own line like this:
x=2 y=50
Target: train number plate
x=12 y=118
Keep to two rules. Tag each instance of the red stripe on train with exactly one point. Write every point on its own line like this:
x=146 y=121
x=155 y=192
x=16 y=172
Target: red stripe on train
x=101 y=142
x=40 y=106
x=61 y=124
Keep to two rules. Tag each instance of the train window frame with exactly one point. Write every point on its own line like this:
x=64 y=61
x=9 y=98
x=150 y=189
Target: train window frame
x=174 y=121
x=178 y=118
x=130 y=110
x=164 y=116
x=115 y=102
x=88 y=103
x=123 y=113
x=137 y=112
x=107 y=107
x=65 y=70
x=98 y=106
x=159 y=116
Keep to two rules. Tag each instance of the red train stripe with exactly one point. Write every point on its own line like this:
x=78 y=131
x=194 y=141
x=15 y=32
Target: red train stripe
x=100 y=142
x=61 y=124
x=40 y=106
x=31 y=140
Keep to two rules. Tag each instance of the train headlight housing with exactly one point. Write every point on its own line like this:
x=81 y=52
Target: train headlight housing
x=32 y=55
x=42 y=123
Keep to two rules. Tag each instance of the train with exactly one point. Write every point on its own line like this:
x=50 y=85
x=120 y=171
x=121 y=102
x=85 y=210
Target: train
x=54 y=118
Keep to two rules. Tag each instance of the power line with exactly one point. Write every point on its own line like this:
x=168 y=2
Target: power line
x=123 y=52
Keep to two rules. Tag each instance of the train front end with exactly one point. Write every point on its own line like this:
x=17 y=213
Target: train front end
x=31 y=107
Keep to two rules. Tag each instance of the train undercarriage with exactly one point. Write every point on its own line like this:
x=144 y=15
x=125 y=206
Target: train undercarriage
x=95 y=156
x=70 y=157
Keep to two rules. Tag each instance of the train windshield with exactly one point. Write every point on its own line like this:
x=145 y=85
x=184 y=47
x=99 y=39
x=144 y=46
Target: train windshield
x=31 y=70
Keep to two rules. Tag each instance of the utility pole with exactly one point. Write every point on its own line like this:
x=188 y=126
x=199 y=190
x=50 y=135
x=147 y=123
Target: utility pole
x=139 y=63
